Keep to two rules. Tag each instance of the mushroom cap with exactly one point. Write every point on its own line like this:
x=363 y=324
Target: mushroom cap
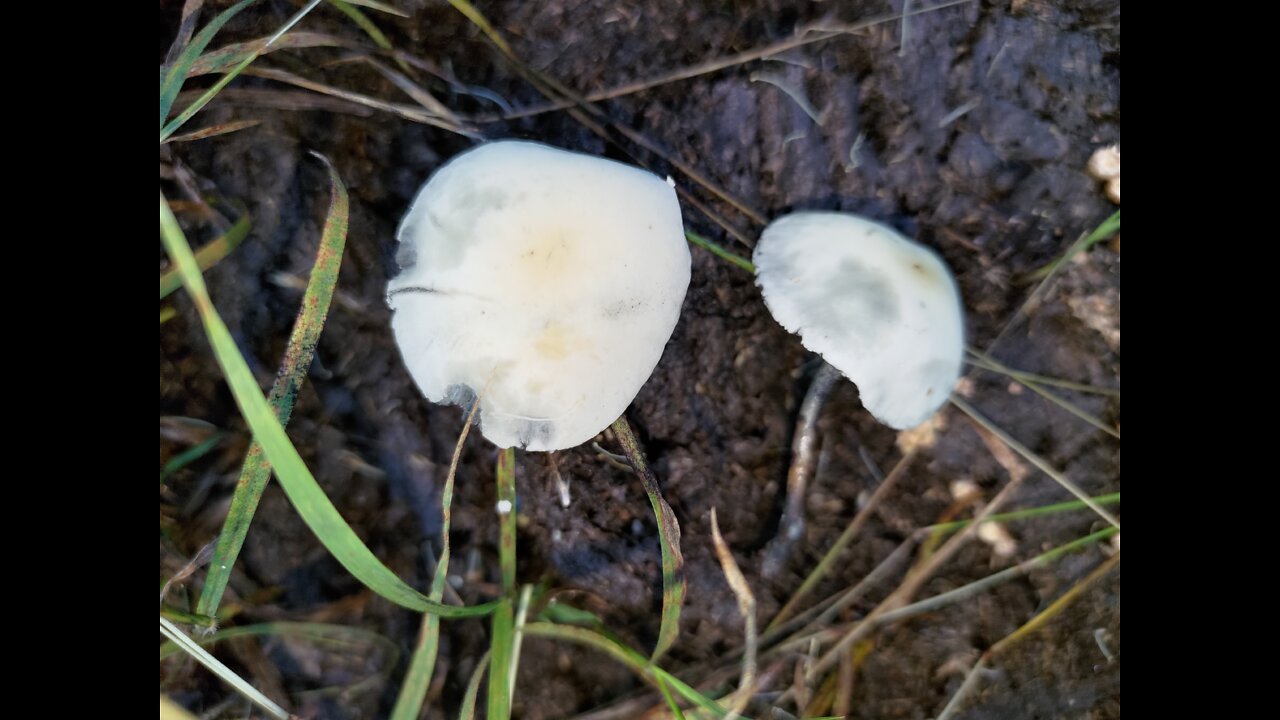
x=543 y=281
x=882 y=309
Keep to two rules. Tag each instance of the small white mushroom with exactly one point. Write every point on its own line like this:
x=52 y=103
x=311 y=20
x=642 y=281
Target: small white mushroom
x=882 y=309
x=544 y=281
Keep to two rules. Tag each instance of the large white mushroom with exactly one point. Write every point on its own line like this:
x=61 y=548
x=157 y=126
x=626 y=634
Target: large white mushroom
x=882 y=309
x=543 y=281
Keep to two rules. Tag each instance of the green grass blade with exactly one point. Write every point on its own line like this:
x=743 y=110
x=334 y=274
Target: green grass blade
x=211 y=93
x=256 y=471
x=316 y=632
x=380 y=7
x=209 y=255
x=190 y=455
x=1036 y=387
x=638 y=663
x=719 y=251
x=1109 y=227
x=369 y=27
x=480 y=21
x=413 y=692
x=674 y=585
x=670 y=700
x=1109 y=499
x=522 y=616
x=226 y=674
x=186 y=618
x=299 y=485
x=172 y=78
x=986 y=362
x=227 y=57
x=468 y=709
x=1031 y=457
x=503 y=640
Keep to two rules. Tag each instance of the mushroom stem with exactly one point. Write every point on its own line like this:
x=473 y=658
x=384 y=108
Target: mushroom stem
x=804 y=445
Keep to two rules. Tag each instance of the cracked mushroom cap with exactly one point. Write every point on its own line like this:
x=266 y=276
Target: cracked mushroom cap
x=543 y=281
x=883 y=310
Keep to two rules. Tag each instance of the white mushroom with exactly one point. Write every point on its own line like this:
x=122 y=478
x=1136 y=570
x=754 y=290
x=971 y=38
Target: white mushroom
x=882 y=309
x=544 y=281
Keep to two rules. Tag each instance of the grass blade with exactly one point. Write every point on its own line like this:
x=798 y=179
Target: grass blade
x=226 y=674
x=190 y=455
x=1109 y=227
x=1042 y=464
x=380 y=7
x=1108 y=499
x=422 y=665
x=1035 y=623
x=480 y=21
x=171 y=79
x=409 y=112
x=318 y=632
x=719 y=251
x=186 y=28
x=468 y=709
x=503 y=641
x=986 y=362
x=200 y=102
x=674 y=585
x=209 y=255
x=225 y=58
x=256 y=471
x=522 y=614
x=297 y=481
x=837 y=549
x=369 y=27
x=638 y=663
x=964 y=592
x=747 y=608
x=214 y=130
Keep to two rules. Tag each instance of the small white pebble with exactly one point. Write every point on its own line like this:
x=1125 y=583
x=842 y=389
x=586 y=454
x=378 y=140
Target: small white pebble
x=922 y=436
x=1105 y=163
x=963 y=488
x=862 y=499
x=995 y=535
x=504 y=507
x=1113 y=189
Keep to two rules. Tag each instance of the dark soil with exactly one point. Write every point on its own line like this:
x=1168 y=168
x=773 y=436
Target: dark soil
x=998 y=190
